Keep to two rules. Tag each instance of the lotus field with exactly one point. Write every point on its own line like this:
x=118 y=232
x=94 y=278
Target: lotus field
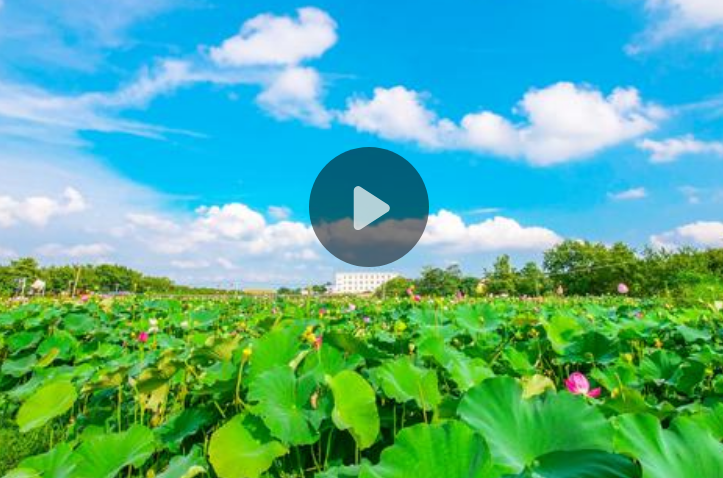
x=428 y=388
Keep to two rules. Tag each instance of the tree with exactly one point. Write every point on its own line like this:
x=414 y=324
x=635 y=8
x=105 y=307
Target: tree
x=396 y=287
x=531 y=281
x=440 y=282
x=503 y=278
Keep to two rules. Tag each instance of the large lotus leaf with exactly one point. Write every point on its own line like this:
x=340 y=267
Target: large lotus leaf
x=688 y=376
x=47 y=403
x=284 y=404
x=21 y=341
x=188 y=466
x=466 y=372
x=355 y=407
x=104 y=456
x=235 y=453
x=78 y=324
x=561 y=331
x=712 y=419
x=686 y=450
x=449 y=450
x=583 y=464
x=660 y=366
x=519 y=430
x=19 y=367
x=278 y=347
x=592 y=347
x=57 y=463
x=180 y=426
x=61 y=340
x=403 y=381
x=23 y=473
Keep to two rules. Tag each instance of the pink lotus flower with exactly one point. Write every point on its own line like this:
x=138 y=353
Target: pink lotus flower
x=623 y=289
x=417 y=298
x=352 y=307
x=410 y=291
x=143 y=337
x=578 y=384
x=318 y=342
x=367 y=320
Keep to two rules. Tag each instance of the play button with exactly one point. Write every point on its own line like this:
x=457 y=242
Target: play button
x=369 y=207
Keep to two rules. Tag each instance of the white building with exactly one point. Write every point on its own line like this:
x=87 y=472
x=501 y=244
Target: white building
x=360 y=282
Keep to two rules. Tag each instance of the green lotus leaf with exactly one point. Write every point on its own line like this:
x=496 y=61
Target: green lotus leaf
x=182 y=425
x=278 y=347
x=519 y=431
x=685 y=450
x=104 y=456
x=466 y=372
x=284 y=404
x=19 y=367
x=21 y=341
x=235 y=453
x=188 y=466
x=57 y=463
x=403 y=381
x=584 y=464
x=449 y=450
x=355 y=407
x=48 y=402
x=23 y=473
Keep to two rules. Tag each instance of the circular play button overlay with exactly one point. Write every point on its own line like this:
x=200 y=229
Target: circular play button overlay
x=369 y=207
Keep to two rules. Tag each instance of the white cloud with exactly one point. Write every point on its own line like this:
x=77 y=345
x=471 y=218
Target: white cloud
x=629 y=194
x=279 y=40
x=280 y=213
x=708 y=234
x=288 y=91
x=78 y=251
x=296 y=93
x=190 y=264
x=75 y=35
x=448 y=231
x=38 y=210
x=675 y=18
x=564 y=122
x=226 y=264
x=670 y=150
x=397 y=114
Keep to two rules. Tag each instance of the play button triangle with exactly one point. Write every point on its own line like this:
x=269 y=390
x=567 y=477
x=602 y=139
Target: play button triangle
x=367 y=208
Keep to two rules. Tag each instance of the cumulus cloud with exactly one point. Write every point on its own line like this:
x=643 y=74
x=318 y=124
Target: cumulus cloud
x=280 y=213
x=629 y=194
x=39 y=210
x=296 y=93
x=707 y=234
x=397 y=114
x=675 y=18
x=562 y=122
x=266 y=54
x=448 y=231
x=279 y=40
x=672 y=149
x=78 y=251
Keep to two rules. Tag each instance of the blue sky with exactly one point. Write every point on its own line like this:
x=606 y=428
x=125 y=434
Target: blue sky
x=183 y=137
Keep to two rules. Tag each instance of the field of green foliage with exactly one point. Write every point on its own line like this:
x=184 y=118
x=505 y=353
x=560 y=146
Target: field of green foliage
x=410 y=387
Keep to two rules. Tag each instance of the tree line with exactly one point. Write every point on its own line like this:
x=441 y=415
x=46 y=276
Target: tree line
x=18 y=277
x=581 y=268
x=576 y=268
